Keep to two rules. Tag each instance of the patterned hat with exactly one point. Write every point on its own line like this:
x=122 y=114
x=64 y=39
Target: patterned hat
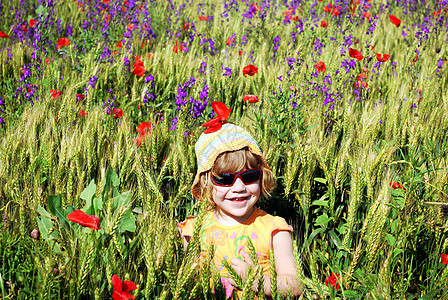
x=229 y=138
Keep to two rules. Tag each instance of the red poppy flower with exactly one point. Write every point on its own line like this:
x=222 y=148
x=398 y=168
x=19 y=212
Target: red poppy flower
x=62 y=42
x=24 y=28
x=121 y=288
x=130 y=26
x=82 y=113
x=186 y=26
x=436 y=13
x=107 y=18
x=361 y=83
x=203 y=18
x=366 y=15
x=55 y=94
x=3 y=35
x=384 y=58
x=335 y=11
x=396 y=185
x=223 y=113
x=414 y=60
x=355 y=54
x=117 y=113
x=444 y=258
x=323 y=24
x=250 y=70
x=230 y=41
x=80 y=97
x=321 y=67
x=106 y=1
x=119 y=44
x=138 y=140
x=144 y=128
x=332 y=280
x=365 y=70
x=362 y=76
x=176 y=48
x=139 y=68
x=395 y=20
x=240 y=53
x=250 y=98
x=85 y=220
x=295 y=18
x=32 y=22
x=255 y=6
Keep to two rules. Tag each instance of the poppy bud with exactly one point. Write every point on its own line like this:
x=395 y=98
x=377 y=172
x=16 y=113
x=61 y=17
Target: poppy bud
x=437 y=50
x=55 y=271
x=35 y=234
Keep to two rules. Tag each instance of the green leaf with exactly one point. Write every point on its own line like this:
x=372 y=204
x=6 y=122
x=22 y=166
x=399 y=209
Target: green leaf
x=127 y=222
x=320 y=203
x=397 y=252
x=312 y=235
x=41 y=9
x=115 y=179
x=123 y=199
x=430 y=295
x=98 y=203
x=45 y=225
x=87 y=194
x=55 y=207
x=390 y=239
x=321 y=180
x=393 y=226
x=323 y=219
x=337 y=242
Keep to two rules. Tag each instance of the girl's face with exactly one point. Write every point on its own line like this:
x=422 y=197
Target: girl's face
x=234 y=204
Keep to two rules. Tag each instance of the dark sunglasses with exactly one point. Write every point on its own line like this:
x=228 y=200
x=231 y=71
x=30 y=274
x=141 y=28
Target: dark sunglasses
x=228 y=179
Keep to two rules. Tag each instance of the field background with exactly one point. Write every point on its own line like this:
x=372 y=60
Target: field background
x=359 y=150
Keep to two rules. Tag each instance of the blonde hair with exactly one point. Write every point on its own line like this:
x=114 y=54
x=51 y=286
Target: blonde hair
x=232 y=162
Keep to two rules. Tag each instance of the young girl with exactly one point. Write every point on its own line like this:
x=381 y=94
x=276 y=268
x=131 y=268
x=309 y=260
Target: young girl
x=232 y=175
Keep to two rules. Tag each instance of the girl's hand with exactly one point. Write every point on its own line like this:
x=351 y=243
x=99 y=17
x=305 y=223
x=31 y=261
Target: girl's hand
x=241 y=267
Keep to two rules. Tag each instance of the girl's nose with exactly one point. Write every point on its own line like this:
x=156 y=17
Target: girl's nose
x=239 y=185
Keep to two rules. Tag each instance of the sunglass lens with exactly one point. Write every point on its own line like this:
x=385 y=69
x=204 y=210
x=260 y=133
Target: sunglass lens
x=224 y=179
x=251 y=176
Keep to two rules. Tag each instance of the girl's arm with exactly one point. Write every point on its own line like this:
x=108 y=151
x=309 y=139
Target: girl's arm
x=285 y=265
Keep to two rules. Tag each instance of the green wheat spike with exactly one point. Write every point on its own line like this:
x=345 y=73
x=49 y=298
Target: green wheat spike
x=273 y=274
x=252 y=253
x=233 y=273
x=248 y=292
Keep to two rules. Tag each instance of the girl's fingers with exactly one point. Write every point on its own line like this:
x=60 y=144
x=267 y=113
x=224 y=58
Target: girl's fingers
x=246 y=257
x=230 y=280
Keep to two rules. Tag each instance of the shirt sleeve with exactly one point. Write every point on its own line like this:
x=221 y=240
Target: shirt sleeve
x=279 y=224
x=186 y=227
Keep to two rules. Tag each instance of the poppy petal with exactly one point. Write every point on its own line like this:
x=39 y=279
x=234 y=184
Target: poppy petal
x=212 y=123
x=85 y=220
x=116 y=282
x=250 y=98
x=355 y=54
x=221 y=109
x=128 y=286
x=444 y=258
x=395 y=20
x=213 y=129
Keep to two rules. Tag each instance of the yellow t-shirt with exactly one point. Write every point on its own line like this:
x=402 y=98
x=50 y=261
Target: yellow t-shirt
x=228 y=240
